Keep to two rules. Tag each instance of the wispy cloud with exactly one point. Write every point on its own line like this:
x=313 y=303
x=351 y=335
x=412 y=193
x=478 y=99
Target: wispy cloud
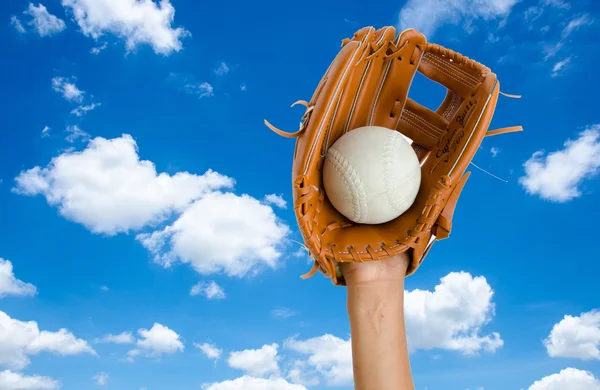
x=282 y=312
x=211 y=290
x=16 y=23
x=97 y=49
x=428 y=15
x=222 y=69
x=75 y=133
x=101 y=378
x=188 y=84
x=46 y=132
x=82 y=110
x=559 y=66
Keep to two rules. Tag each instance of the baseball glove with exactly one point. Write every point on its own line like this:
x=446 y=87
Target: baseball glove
x=367 y=84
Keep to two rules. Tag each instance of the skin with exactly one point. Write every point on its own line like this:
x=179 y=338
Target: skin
x=375 y=304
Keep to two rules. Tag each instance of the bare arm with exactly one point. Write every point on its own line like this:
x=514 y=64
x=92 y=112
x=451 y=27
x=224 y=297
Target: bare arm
x=376 y=313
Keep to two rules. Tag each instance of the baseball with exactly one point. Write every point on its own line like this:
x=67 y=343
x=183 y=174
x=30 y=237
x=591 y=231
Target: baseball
x=371 y=175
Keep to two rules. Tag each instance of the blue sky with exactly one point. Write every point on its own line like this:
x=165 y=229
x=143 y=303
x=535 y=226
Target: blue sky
x=146 y=224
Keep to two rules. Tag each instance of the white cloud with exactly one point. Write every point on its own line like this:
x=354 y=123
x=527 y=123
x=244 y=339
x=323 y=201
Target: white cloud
x=157 y=341
x=559 y=66
x=67 y=88
x=75 y=133
x=190 y=85
x=427 y=15
x=282 y=312
x=10 y=380
x=494 y=151
x=576 y=23
x=82 y=110
x=222 y=69
x=19 y=340
x=45 y=132
x=201 y=90
x=222 y=232
x=210 y=350
x=573 y=25
x=101 y=378
x=108 y=189
x=251 y=383
x=277 y=200
x=329 y=356
x=97 y=49
x=16 y=23
x=137 y=22
x=452 y=315
x=123 y=338
x=568 y=379
x=558 y=176
x=210 y=290
x=104 y=288
x=10 y=285
x=44 y=22
x=576 y=337
x=256 y=362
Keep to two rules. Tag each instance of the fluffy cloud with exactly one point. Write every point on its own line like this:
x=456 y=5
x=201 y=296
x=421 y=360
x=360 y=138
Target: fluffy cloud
x=327 y=355
x=557 y=176
x=10 y=380
x=123 y=338
x=251 y=383
x=210 y=290
x=157 y=341
x=427 y=15
x=10 y=285
x=576 y=337
x=256 y=362
x=210 y=350
x=19 y=339
x=137 y=22
x=222 y=232
x=108 y=189
x=42 y=21
x=452 y=315
x=277 y=200
x=67 y=87
x=568 y=379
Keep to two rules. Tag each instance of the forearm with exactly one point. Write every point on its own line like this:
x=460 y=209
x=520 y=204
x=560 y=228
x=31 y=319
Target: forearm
x=379 y=349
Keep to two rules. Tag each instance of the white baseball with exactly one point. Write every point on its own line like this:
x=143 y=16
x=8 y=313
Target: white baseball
x=371 y=175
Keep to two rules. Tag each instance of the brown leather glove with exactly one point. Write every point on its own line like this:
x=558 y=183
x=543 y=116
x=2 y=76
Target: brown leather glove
x=367 y=84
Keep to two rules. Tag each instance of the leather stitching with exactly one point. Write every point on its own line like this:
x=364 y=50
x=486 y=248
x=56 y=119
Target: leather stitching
x=434 y=130
x=350 y=175
x=451 y=65
x=453 y=76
